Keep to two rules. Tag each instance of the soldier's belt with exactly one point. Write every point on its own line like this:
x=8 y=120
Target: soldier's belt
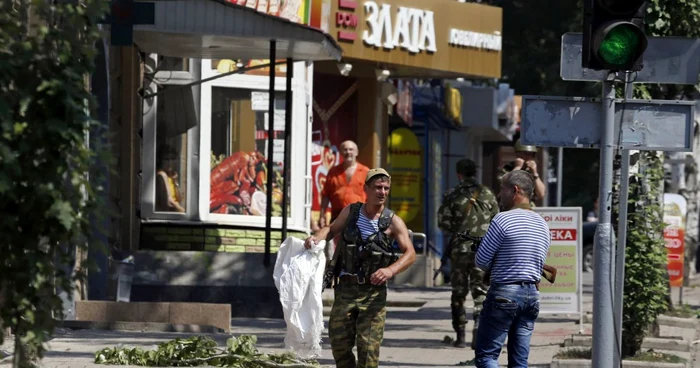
x=352 y=279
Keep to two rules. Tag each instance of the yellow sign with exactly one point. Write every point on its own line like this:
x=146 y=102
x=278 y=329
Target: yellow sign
x=405 y=158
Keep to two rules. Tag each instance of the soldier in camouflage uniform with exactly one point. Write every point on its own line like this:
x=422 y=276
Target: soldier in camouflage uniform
x=469 y=206
x=525 y=160
x=362 y=263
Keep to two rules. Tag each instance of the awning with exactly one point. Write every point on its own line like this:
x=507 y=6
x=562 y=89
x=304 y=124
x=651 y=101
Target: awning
x=213 y=29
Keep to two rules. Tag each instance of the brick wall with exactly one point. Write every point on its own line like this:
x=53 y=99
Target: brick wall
x=194 y=238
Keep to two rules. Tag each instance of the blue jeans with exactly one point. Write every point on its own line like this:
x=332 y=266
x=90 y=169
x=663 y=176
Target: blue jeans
x=509 y=310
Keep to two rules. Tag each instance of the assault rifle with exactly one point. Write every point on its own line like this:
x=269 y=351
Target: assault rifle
x=548 y=272
x=476 y=240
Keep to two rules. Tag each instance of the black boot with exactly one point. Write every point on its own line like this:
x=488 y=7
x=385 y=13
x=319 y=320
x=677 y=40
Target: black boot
x=461 y=341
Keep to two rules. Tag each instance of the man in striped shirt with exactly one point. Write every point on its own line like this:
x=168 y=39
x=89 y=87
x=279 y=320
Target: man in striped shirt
x=514 y=249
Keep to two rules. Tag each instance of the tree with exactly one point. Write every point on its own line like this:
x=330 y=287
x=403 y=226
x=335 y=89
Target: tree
x=646 y=279
x=46 y=196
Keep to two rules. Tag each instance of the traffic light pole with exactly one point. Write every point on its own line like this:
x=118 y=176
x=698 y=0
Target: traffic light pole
x=621 y=242
x=603 y=326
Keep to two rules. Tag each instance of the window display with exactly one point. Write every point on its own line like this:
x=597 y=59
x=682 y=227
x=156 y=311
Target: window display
x=239 y=146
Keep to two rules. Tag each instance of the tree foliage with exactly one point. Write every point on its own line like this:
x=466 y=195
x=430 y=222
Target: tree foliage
x=46 y=196
x=645 y=255
x=195 y=351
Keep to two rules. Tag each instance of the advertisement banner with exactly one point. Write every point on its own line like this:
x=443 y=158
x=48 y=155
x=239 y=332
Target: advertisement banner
x=565 y=295
x=405 y=168
x=675 y=209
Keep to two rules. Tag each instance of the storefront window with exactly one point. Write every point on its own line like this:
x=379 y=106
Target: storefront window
x=239 y=146
x=172 y=129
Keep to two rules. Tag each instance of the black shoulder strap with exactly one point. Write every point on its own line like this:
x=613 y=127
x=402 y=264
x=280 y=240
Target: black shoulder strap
x=354 y=213
x=385 y=219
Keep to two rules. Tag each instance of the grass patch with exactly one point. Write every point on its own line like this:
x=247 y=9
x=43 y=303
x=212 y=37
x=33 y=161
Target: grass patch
x=683 y=311
x=574 y=354
x=657 y=357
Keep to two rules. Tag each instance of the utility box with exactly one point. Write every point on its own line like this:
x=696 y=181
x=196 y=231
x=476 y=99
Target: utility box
x=121 y=274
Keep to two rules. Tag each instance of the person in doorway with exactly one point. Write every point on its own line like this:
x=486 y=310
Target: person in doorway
x=470 y=207
x=513 y=250
x=167 y=188
x=344 y=185
x=362 y=265
x=526 y=159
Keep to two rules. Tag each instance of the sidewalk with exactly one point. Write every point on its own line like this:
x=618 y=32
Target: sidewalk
x=413 y=336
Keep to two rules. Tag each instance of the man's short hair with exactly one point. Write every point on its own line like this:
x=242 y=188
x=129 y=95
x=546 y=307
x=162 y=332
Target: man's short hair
x=466 y=167
x=523 y=179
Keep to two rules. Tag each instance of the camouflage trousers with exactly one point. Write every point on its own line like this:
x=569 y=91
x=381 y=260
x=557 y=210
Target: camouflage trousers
x=358 y=316
x=465 y=277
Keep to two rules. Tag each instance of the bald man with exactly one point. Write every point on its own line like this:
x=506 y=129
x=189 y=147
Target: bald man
x=344 y=183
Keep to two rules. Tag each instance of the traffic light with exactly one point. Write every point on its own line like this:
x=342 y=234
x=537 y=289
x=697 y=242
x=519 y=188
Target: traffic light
x=613 y=34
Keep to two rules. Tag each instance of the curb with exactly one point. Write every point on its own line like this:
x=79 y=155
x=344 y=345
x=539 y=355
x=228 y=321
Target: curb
x=139 y=326
x=689 y=323
x=678 y=321
x=582 y=363
x=389 y=303
x=657 y=343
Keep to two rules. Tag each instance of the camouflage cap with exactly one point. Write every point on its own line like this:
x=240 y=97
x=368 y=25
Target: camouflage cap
x=466 y=167
x=374 y=172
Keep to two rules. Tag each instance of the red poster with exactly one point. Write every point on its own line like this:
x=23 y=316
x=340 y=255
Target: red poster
x=675 y=208
x=335 y=120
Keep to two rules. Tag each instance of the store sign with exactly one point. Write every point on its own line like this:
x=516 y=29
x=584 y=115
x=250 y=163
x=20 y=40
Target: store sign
x=435 y=39
x=563 y=296
x=675 y=208
x=413 y=29
x=476 y=40
x=347 y=22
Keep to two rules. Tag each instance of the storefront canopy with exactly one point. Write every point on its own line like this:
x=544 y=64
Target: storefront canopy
x=213 y=29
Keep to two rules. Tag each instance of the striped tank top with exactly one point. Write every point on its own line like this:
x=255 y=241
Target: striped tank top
x=367 y=227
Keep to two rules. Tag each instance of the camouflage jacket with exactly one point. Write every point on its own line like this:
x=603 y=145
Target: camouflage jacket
x=452 y=216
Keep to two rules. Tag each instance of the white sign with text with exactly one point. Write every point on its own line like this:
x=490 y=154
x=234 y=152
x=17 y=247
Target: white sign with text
x=565 y=295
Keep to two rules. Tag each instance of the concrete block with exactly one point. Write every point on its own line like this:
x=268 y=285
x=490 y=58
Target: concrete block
x=185 y=314
x=153 y=312
x=235 y=233
x=656 y=343
x=660 y=343
x=122 y=312
x=180 y=230
x=246 y=241
x=215 y=232
x=258 y=249
x=89 y=310
x=228 y=241
x=690 y=323
x=255 y=234
x=582 y=363
x=579 y=341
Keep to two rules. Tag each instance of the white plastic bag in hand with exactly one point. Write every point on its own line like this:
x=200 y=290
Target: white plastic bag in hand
x=298 y=277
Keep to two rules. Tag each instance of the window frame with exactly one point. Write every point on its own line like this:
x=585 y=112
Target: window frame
x=148 y=157
x=301 y=125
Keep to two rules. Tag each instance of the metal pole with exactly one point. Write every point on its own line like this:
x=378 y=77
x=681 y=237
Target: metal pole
x=270 y=152
x=621 y=243
x=560 y=174
x=603 y=328
x=287 y=145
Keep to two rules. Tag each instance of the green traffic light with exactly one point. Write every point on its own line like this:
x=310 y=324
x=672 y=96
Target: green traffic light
x=621 y=45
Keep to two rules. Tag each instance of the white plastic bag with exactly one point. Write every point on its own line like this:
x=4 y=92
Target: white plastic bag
x=298 y=277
